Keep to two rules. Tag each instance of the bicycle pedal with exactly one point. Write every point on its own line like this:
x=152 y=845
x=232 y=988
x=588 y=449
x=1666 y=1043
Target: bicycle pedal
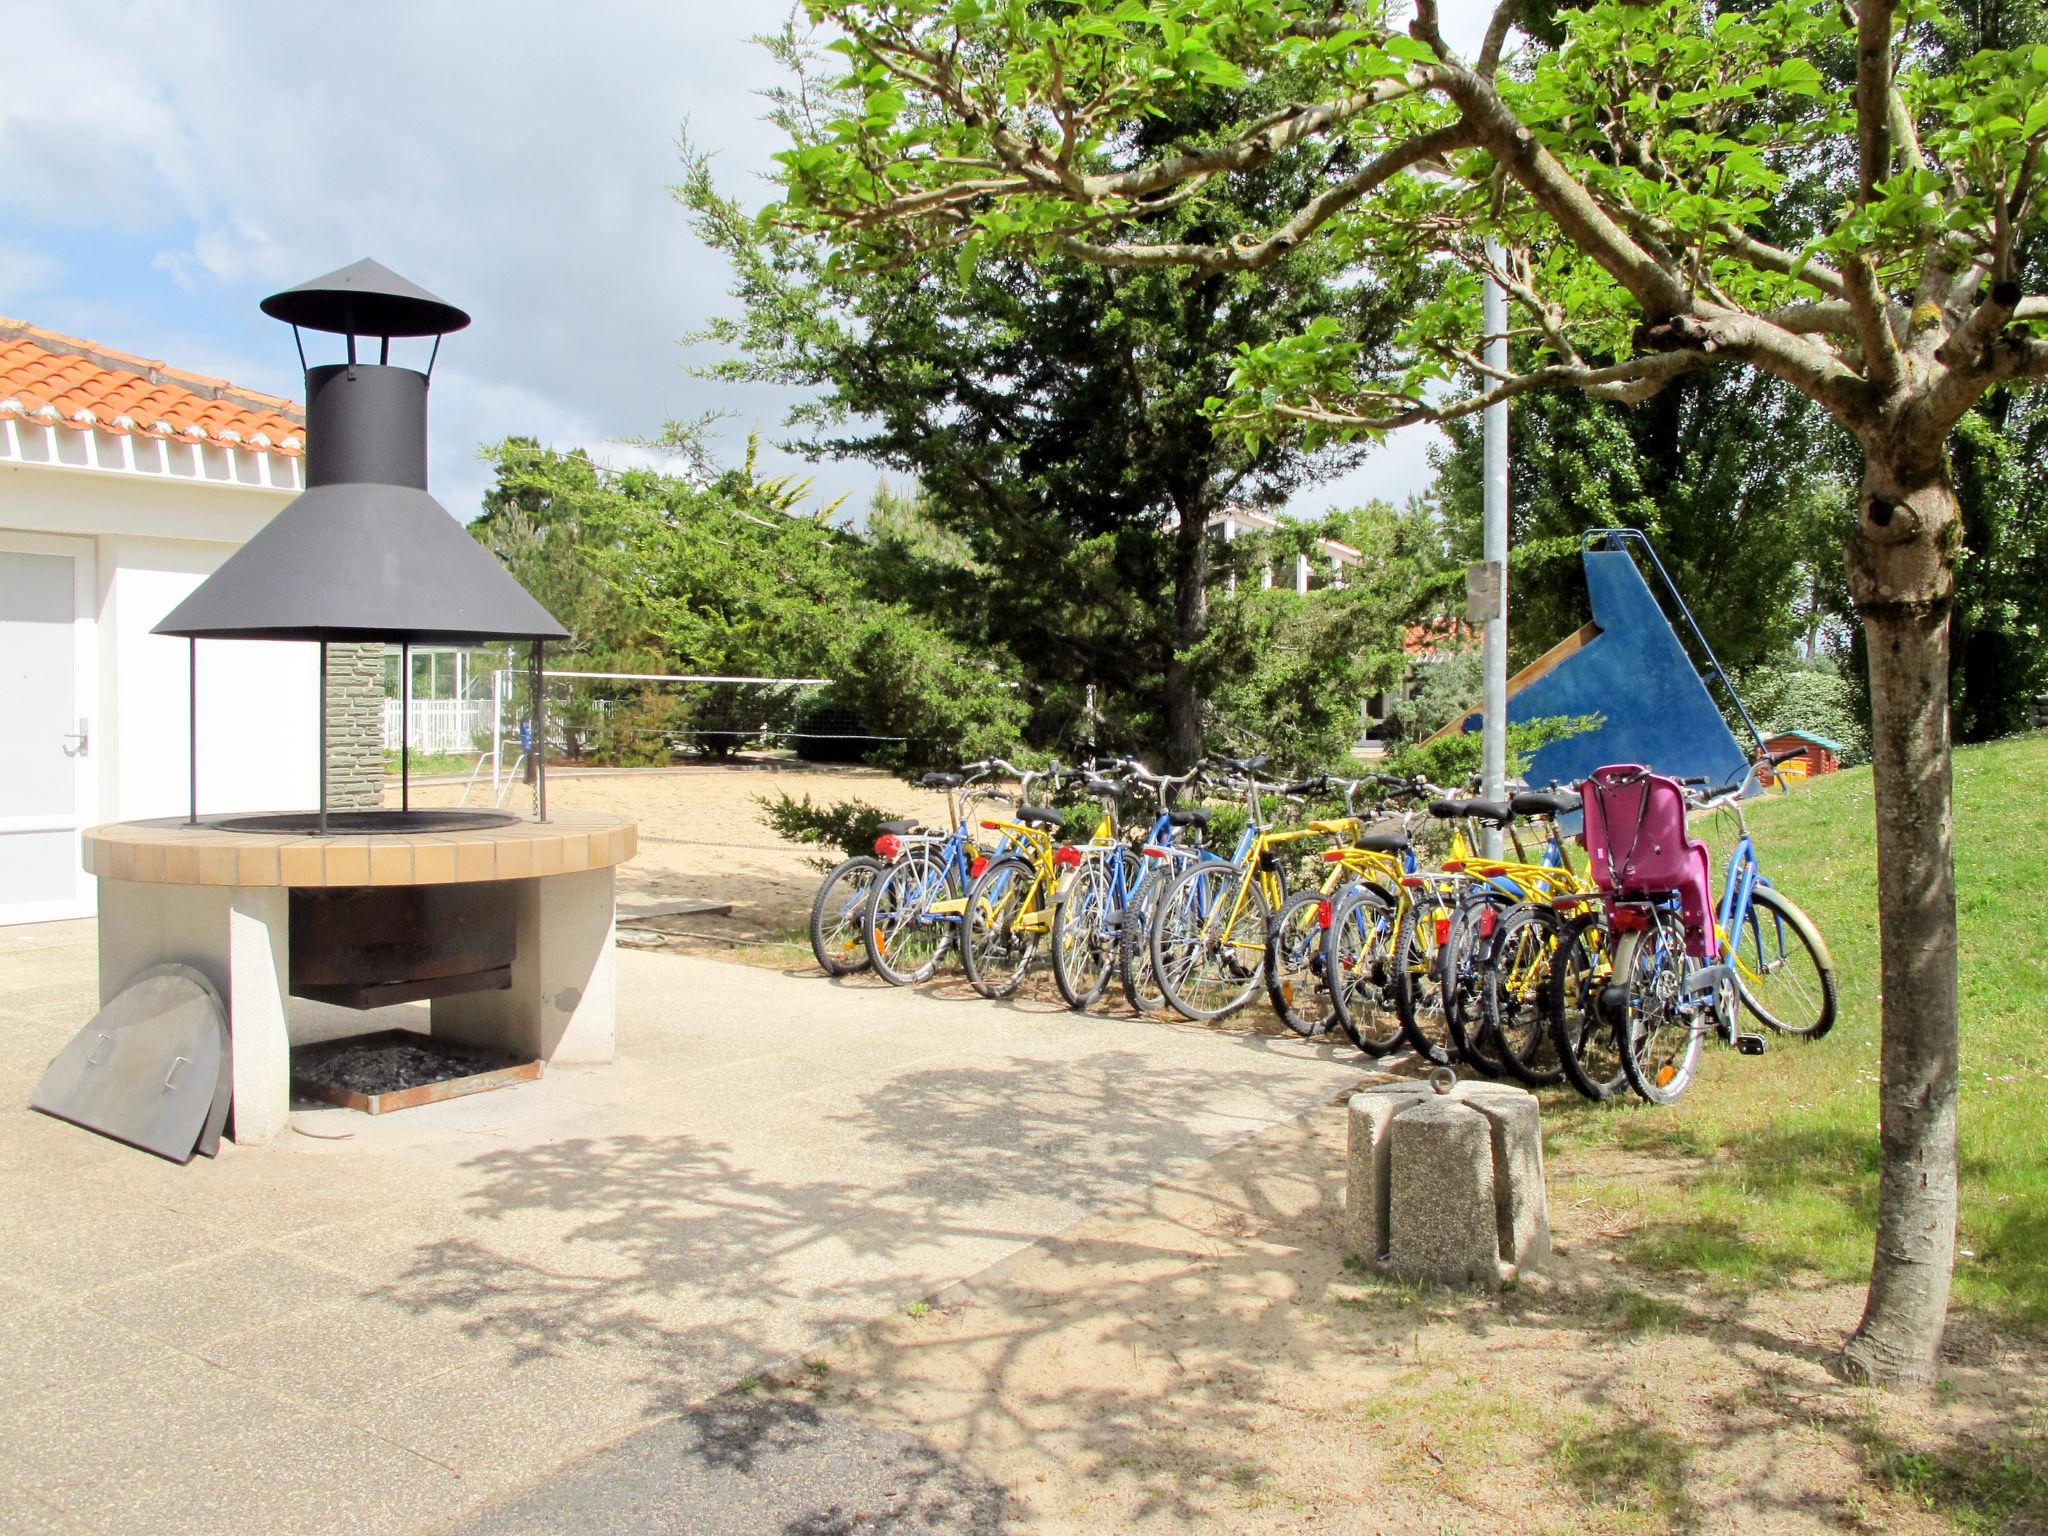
x=1750 y=1045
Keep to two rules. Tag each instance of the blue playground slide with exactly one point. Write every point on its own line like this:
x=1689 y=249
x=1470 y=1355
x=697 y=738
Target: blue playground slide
x=1628 y=666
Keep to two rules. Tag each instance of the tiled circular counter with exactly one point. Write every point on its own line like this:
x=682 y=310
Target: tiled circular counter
x=173 y=851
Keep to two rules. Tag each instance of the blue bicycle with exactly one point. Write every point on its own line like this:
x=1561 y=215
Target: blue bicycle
x=1110 y=891
x=915 y=901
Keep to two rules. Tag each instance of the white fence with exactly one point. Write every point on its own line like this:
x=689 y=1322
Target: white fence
x=440 y=725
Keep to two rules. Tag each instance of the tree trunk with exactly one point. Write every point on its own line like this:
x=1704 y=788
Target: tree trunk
x=1902 y=578
x=1190 y=618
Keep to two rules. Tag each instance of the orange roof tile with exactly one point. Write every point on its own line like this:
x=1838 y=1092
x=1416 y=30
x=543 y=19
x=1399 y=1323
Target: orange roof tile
x=66 y=382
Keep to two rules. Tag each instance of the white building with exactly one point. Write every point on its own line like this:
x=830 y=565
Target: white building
x=1234 y=520
x=123 y=484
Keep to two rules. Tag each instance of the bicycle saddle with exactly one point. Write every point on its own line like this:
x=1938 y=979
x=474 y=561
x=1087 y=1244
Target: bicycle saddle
x=1543 y=802
x=1383 y=842
x=1095 y=786
x=1495 y=811
x=1039 y=816
x=907 y=824
x=1193 y=816
x=941 y=781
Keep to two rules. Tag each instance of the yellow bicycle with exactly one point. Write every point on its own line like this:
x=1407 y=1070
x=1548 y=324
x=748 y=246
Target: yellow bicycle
x=1210 y=927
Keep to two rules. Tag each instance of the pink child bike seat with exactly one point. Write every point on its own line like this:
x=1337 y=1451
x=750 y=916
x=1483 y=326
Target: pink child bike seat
x=1636 y=845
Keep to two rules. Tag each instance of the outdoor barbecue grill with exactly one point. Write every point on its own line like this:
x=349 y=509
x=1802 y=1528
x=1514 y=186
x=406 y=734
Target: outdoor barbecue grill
x=503 y=923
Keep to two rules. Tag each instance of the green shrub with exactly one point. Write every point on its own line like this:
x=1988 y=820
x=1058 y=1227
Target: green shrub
x=1451 y=760
x=849 y=826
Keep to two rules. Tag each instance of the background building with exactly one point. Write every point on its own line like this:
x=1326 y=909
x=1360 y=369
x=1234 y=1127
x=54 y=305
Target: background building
x=123 y=484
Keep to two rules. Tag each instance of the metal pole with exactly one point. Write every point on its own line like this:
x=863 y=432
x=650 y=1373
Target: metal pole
x=192 y=733
x=405 y=727
x=323 y=739
x=497 y=728
x=1494 y=652
x=540 y=729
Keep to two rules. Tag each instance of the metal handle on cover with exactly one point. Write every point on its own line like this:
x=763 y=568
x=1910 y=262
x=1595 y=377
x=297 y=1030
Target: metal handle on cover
x=93 y=1057
x=81 y=739
x=171 y=1075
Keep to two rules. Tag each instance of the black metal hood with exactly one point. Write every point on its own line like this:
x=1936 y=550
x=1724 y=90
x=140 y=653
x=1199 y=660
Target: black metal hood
x=365 y=554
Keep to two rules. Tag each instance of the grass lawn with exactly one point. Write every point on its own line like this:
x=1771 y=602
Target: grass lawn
x=1787 y=1143
x=431 y=764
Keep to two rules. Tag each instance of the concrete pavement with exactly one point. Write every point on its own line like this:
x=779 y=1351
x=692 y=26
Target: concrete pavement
x=381 y=1325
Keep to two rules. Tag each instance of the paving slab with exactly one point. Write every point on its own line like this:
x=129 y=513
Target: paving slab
x=739 y=1468
x=390 y=1319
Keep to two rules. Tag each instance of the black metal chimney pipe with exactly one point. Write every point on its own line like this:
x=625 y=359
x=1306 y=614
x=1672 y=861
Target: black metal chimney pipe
x=366 y=424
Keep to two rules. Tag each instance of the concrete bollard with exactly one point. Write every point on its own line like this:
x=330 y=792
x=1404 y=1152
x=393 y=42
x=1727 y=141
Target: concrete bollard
x=1446 y=1185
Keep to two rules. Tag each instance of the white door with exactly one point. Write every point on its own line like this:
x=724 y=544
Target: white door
x=47 y=662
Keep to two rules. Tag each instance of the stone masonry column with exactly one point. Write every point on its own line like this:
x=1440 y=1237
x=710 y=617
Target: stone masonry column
x=355 y=726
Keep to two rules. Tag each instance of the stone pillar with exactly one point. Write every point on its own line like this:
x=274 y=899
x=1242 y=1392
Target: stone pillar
x=1446 y=1187
x=355 y=725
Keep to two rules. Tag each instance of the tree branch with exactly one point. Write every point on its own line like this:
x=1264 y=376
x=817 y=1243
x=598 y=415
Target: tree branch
x=1628 y=383
x=1249 y=256
x=1873 y=94
x=1504 y=15
x=1868 y=308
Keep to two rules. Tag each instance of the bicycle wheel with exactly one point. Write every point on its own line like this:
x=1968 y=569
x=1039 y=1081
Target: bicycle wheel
x=997 y=938
x=836 y=912
x=1466 y=955
x=1294 y=965
x=1208 y=945
x=1134 y=946
x=906 y=940
x=1588 y=1047
x=1358 y=957
x=1661 y=1041
x=1081 y=939
x=1511 y=994
x=1419 y=944
x=1783 y=971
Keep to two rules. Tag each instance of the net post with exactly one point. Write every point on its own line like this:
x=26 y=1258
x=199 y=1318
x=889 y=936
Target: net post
x=540 y=728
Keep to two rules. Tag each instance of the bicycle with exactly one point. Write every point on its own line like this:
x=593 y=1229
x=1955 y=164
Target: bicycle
x=1297 y=967
x=914 y=903
x=1675 y=975
x=1358 y=947
x=1009 y=907
x=1162 y=853
x=1109 y=894
x=1209 y=933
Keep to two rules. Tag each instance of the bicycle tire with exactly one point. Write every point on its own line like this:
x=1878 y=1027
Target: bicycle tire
x=838 y=940
x=1205 y=972
x=1816 y=952
x=1512 y=994
x=1661 y=1046
x=1588 y=1047
x=1418 y=982
x=1358 y=957
x=1296 y=983
x=993 y=953
x=1078 y=931
x=1465 y=960
x=1134 y=950
x=898 y=911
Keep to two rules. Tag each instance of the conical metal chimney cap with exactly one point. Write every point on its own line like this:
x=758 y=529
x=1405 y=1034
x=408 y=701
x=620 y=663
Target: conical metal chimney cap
x=365 y=554
x=367 y=299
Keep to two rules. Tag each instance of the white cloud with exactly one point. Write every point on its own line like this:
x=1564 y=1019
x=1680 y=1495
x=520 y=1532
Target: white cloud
x=514 y=160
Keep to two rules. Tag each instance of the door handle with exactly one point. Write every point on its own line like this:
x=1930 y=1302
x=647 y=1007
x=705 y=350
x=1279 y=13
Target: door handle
x=79 y=742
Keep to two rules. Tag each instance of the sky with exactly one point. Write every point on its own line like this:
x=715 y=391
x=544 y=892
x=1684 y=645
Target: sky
x=164 y=171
